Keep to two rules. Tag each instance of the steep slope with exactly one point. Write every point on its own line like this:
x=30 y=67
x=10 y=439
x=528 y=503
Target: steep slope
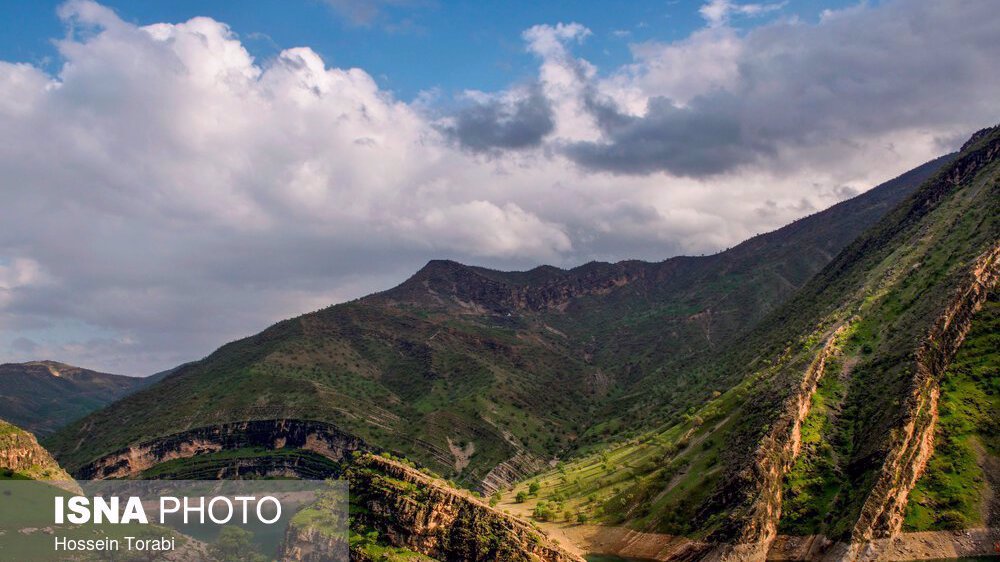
x=43 y=396
x=832 y=418
x=420 y=513
x=485 y=375
x=21 y=457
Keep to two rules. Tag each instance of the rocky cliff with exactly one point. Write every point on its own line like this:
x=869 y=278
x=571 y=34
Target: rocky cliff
x=412 y=510
x=763 y=479
x=22 y=456
x=320 y=438
x=884 y=510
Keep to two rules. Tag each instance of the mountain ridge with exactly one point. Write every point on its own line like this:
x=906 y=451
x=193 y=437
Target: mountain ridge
x=517 y=364
x=43 y=396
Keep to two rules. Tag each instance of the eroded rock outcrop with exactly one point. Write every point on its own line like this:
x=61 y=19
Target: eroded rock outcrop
x=913 y=442
x=511 y=471
x=412 y=510
x=757 y=522
x=321 y=438
x=21 y=456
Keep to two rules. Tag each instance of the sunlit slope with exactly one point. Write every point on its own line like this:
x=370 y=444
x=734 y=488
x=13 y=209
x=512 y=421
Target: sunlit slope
x=833 y=419
x=21 y=458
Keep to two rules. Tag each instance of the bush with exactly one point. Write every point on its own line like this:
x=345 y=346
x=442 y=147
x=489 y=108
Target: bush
x=951 y=520
x=543 y=512
x=521 y=497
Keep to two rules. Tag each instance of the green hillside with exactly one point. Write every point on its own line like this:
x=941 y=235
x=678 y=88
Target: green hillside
x=832 y=408
x=43 y=396
x=462 y=368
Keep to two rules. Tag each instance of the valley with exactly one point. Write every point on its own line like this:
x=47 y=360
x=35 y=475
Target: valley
x=823 y=392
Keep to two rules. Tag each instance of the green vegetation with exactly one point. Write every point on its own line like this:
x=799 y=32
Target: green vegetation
x=43 y=396
x=243 y=464
x=235 y=544
x=966 y=458
x=496 y=361
x=670 y=391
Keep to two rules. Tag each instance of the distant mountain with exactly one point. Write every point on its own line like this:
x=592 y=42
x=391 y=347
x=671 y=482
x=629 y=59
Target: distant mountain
x=484 y=375
x=43 y=396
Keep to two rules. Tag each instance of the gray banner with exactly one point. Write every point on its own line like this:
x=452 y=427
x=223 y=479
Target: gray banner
x=178 y=520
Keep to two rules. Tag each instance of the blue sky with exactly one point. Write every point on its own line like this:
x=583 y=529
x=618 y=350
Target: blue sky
x=177 y=183
x=407 y=46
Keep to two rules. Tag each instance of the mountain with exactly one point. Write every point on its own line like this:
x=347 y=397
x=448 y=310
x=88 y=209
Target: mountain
x=865 y=406
x=484 y=375
x=811 y=393
x=43 y=396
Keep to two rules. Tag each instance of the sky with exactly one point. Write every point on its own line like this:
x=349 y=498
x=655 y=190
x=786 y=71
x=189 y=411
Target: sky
x=176 y=175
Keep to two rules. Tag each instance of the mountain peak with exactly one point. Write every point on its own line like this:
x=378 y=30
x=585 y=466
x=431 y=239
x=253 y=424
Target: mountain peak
x=55 y=368
x=979 y=135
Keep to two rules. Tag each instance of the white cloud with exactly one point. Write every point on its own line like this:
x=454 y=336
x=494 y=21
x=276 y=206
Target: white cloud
x=168 y=193
x=718 y=12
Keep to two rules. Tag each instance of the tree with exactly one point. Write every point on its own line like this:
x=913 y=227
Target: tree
x=235 y=545
x=534 y=487
x=521 y=497
x=542 y=512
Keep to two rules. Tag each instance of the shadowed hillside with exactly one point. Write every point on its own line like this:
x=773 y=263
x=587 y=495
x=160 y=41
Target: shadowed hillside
x=43 y=396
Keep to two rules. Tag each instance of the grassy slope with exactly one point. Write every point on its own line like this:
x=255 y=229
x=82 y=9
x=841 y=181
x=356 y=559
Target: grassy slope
x=952 y=491
x=34 y=398
x=887 y=287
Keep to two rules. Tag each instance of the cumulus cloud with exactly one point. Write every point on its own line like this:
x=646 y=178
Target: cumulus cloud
x=167 y=192
x=718 y=101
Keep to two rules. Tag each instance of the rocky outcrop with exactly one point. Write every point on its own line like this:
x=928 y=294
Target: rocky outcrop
x=913 y=442
x=21 y=456
x=756 y=523
x=414 y=511
x=511 y=471
x=303 y=543
x=318 y=437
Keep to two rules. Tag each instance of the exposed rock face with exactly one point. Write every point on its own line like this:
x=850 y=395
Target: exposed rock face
x=884 y=509
x=512 y=470
x=21 y=454
x=757 y=523
x=414 y=511
x=318 y=437
x=552 y=288
x=310 y=544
